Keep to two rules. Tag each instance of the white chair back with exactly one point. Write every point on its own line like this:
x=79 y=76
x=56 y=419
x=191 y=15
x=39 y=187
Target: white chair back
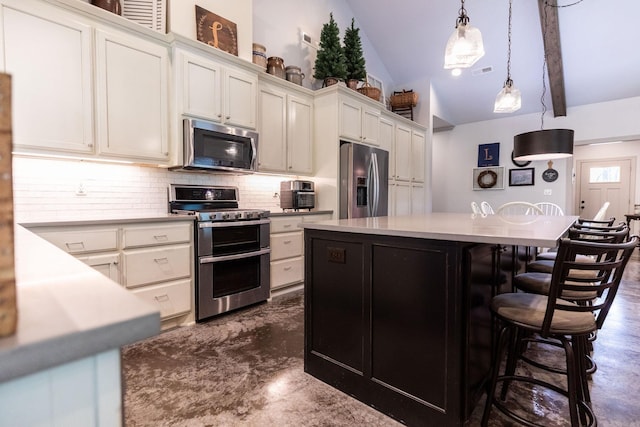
x=549 y=208
x=519 y=208
x=486 y=208
x=475 y=208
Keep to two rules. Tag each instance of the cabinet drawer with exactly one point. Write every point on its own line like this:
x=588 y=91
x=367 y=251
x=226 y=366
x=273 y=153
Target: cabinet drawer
x=284 y=224
x=286 y=245
x=170 y=298
x=287 y=272
x=81 y=240
x=156 y=235
x=144 y=266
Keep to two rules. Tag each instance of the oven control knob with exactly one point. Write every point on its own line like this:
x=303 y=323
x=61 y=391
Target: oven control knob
x=225 y=216
x=251 y=215
x=238 y=215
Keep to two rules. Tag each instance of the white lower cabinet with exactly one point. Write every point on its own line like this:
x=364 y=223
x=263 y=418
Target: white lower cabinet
x=156 y=264
x=154 y=260
x=287 y=249
x=107 y=264
x=171 y=298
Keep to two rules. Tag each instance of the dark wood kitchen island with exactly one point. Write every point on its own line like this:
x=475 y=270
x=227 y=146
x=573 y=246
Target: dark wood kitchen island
x=396 y=308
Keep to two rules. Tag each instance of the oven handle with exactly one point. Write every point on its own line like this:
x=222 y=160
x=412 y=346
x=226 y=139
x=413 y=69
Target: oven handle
x=210 y=259
x=210 y=224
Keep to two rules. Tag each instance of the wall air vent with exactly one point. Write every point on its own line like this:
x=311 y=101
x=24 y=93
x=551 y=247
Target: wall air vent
x=480 y=71
x=150 y=13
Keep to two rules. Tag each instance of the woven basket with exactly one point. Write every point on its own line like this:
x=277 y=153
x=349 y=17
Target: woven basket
x=370 y=91
x=406 y=98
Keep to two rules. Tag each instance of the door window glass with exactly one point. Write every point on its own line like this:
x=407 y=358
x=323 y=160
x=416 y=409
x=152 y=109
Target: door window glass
x=604 y=174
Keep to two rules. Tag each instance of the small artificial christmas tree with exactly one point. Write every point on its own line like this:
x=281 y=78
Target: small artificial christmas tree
x=330 y=61
x=353 y=53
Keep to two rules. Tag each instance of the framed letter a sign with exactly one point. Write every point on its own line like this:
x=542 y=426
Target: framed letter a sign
x=489 y=154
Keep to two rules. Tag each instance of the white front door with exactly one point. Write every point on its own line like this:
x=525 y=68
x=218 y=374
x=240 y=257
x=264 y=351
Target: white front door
x=603 y=181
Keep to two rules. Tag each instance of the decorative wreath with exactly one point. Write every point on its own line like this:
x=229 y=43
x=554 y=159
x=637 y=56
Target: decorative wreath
x=489 y=182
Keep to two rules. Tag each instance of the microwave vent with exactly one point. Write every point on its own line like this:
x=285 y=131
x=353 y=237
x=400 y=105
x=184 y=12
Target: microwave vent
x=149 y=13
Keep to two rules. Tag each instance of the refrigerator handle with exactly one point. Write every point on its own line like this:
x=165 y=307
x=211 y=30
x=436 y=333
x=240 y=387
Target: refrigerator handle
x=375 y=184
x=370 y=185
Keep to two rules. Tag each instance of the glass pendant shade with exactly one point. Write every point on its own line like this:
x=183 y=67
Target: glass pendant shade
x=545 y=144
x=464 y=47
x=508 y=99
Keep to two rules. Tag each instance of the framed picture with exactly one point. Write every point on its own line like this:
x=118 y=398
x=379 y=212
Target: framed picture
x=489 y=154
x=488 y=178
x=216 y=31
x=519 y=177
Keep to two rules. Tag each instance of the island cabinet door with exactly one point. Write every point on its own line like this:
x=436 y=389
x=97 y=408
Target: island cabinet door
x=335 y=303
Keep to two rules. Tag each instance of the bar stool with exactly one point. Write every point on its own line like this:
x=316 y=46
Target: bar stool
x=615 y=234
x=527 y=317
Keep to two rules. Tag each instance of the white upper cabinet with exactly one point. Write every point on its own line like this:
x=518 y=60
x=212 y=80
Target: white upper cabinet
x=300 y=134
x=286 y=130
x=417 y=156
x=48 y=53
x=403 y=153
x=132 y=96
x=358 y=122
x=240 y=93
x=387 y=139
x=272 y=145
x=212 y=91
x=199 y=81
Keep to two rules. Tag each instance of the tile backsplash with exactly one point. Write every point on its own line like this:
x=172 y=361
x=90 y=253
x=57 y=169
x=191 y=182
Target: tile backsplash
x=51 y=190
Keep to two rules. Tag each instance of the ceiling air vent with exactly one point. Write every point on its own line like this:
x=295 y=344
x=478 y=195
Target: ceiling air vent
x=480 y=71
x=150 y=13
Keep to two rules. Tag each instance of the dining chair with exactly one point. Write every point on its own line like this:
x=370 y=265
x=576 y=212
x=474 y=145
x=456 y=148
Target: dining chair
x=475 y=208
x=519 y=208
x=550 y=208
x=549 y=320
x=486 y=208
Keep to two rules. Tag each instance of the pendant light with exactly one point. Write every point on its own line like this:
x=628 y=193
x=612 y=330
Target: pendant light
x=465 y=46
x=543 y=144
x=508 y=99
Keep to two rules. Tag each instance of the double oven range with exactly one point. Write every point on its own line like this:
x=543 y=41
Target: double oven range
x=231 y=247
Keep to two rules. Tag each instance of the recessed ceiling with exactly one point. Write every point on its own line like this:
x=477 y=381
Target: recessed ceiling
x=597 y=39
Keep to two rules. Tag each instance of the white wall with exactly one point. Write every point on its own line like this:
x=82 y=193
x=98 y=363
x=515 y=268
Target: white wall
x=279 y=25
x=182 y=19
x=455 y=153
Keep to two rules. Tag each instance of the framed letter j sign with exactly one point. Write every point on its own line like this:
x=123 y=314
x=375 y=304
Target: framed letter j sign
x=489 y=154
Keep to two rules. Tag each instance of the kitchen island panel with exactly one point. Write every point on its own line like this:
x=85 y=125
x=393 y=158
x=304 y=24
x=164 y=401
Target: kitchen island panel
x=409 y=318
x=421 y=356
x=337 y=305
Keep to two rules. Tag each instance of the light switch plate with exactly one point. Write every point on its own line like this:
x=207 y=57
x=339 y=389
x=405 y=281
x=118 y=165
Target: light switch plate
x=547 y=191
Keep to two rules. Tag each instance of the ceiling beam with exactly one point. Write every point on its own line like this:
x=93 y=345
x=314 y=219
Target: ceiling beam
x=551 y=38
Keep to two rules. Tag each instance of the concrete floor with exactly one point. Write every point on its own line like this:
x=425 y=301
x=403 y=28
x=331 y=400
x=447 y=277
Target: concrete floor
x=246 y=369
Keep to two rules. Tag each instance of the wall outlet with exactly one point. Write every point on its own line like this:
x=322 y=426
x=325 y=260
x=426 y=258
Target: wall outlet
x=547 y=191
x=81 y=190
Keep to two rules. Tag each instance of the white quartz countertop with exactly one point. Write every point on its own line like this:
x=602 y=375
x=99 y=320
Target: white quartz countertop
x=526 y=230
x=67 y=310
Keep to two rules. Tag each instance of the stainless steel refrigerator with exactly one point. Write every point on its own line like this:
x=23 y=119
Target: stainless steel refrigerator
x=364 y=181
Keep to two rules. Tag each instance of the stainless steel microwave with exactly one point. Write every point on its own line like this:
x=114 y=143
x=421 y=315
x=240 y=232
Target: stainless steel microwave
x=214 y=147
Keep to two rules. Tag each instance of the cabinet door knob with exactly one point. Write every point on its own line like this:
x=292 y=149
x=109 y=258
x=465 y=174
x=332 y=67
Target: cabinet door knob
x=219 y=116
x=228 y=117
